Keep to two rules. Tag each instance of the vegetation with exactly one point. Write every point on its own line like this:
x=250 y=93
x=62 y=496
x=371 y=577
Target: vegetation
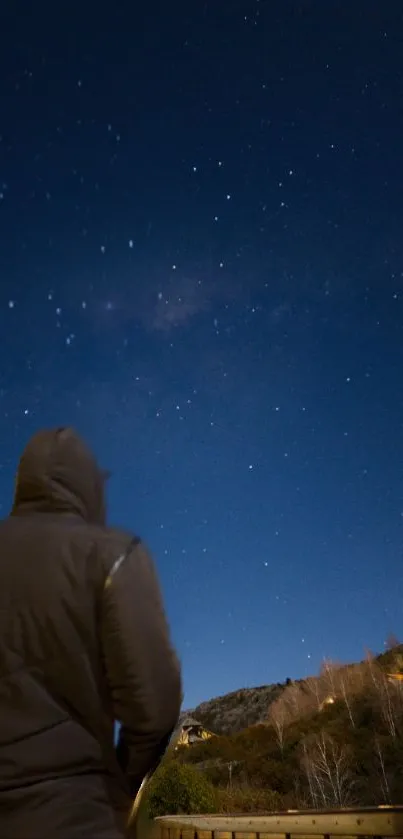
x=331 y=741
x=178 y=789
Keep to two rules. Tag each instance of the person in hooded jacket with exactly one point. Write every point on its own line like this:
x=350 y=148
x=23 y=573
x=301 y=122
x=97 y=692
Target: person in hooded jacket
x=83 y=642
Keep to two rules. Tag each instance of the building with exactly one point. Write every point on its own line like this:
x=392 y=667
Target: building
x=191 y=732
x=395 y=677
x=329 y=700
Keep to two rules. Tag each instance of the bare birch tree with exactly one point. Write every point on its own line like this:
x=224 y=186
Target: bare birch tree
x=392 y=641
x=384 y=783
x=389 y=696
x=329 y=671
x=326 y=765
x=279 y=718
x=347 y=695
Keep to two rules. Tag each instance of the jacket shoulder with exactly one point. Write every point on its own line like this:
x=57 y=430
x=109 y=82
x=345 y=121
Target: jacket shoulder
x=113 y=544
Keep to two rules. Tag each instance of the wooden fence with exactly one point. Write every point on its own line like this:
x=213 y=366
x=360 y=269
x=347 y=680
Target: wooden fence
x=374 y=822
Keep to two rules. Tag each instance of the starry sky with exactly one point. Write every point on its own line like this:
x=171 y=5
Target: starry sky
x=201 y=263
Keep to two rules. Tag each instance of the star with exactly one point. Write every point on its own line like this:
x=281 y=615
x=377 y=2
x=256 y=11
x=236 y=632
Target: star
x=259 y=288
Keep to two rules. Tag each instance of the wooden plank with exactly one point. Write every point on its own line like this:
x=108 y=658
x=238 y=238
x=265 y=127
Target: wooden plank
x=240 y=835
x=187 y=833
x=385 y=821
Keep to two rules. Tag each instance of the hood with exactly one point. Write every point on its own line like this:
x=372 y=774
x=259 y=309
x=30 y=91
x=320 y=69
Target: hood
x=57 y=473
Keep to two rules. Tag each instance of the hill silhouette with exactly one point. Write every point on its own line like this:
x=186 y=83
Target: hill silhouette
x=238 y=709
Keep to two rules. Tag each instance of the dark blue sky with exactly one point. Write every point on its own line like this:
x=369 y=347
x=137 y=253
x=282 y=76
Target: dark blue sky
x=201 y=263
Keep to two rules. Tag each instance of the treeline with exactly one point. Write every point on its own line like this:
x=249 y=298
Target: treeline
x=331 y=741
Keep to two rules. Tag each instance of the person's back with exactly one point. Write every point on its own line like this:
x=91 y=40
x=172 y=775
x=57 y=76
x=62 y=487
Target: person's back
x=83 y=641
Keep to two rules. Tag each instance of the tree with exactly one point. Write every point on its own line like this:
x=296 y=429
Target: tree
x=346 y=693
x=392 y=642
x=179 y=788
x=279 y=718
x=296 y=701
x=388 y=696
x=383 y=778
x=330 y=671
x=327 y=768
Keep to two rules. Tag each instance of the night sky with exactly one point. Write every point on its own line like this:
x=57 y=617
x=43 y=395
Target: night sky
x=201 y=262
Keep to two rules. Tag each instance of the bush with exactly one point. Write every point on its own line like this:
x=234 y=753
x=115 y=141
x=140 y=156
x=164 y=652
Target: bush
x=248 y=799
x=179 y=788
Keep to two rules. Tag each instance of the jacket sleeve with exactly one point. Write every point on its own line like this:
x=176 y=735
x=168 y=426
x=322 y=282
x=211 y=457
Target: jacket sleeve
x=142 y=669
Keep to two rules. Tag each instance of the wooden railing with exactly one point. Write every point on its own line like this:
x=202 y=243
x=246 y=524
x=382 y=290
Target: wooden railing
x=376 y=822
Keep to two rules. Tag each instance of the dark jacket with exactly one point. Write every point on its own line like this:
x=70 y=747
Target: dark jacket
x=83 y=641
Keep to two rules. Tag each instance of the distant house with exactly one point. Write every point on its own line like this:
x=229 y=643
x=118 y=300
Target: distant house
x=329 y=700
x=395 y=677
x=191 y=731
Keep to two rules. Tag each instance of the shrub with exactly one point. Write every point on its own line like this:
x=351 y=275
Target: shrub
x=179 y=788
x=248 y=799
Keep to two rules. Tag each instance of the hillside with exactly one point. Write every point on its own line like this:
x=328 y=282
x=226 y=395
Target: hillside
x=237 y=710
x=245 y=707
x=333 y=740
